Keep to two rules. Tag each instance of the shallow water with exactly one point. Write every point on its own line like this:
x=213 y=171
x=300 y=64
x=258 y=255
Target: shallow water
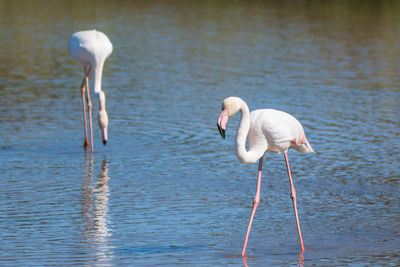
x=166 y=189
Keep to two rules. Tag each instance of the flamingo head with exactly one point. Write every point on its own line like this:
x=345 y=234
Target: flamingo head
x=103 y=124
x=230 y=106
x=103 y=117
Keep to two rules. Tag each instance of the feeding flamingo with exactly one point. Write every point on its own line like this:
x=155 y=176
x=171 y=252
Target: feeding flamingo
x=268 y=130
x=91 y=48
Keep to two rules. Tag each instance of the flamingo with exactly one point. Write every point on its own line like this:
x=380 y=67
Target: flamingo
x=268 y=130
x=91 y=48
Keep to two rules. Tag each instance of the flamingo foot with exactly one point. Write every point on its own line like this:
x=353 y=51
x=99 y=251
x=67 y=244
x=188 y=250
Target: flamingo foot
x=86 y=143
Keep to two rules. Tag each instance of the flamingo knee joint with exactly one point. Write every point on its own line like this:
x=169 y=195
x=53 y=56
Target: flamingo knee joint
x=293 y=195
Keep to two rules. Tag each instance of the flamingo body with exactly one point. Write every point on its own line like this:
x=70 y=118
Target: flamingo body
x=277 y=131
x=91 y=48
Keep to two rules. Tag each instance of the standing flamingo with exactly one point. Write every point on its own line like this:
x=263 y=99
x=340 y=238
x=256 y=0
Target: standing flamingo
x=268 y=130
x=91 y=48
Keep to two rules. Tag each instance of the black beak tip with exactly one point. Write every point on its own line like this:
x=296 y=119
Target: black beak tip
x=104 y=142
x=221 y=131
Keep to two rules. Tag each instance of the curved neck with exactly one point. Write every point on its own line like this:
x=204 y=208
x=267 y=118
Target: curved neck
x=102 y=101
x=96 y=76
x=243 y=155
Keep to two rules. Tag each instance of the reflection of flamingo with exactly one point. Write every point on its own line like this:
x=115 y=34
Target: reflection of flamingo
x=300 y=260
x=268 y=130
x=91 y=48
x=95 y=198
x=101 y=194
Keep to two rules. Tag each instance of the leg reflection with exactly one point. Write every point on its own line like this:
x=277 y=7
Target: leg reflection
x=301 y=258
x=245 y=262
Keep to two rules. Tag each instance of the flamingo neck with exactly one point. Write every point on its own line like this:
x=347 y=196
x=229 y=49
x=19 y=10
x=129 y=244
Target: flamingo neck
x=102 y=101
x=243 y=155
x=96 y=76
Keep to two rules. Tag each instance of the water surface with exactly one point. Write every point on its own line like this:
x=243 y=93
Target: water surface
x=166 y=189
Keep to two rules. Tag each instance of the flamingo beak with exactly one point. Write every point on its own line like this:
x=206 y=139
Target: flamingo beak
x=222 y=121
x=104 y=134
x=221 y=131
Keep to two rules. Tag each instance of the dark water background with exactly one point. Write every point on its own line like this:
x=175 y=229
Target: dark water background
x=166 y=189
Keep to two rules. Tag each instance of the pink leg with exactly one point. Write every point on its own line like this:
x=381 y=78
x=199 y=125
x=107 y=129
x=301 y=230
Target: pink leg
x=293 y=196
x=255 y=204
x=83 y=86
x=87 y=72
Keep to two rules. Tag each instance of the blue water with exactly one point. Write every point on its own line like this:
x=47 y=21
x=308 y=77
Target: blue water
x=167 y=189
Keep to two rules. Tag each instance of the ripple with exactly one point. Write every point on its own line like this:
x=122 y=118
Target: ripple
x=166 y=189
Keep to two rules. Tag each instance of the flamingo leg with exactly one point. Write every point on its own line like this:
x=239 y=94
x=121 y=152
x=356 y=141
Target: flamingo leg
x=83 y=88
x=87 y=72
x=255 y=204
x=293 y=196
